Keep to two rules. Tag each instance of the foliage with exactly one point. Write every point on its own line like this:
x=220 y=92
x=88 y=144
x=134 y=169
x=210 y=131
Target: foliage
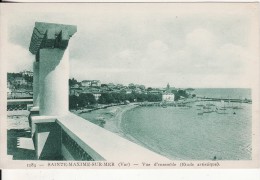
x=149 y=89
x=82 y=100
x=179 y=93
x=73 y=102
x=154 y=97
x=106 y=98
x=72 y=82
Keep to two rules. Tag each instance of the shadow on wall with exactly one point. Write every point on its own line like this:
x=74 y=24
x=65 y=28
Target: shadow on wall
x=20 y=145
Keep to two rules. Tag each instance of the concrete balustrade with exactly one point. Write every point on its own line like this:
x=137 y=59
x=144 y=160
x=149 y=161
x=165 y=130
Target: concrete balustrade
x=101 y=144
x=83 y=140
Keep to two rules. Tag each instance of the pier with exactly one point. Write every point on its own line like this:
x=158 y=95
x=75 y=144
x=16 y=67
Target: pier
x=225 y=99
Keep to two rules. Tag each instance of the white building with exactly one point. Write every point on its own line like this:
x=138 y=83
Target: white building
x=97 y=96
x=86 y=83
x=29 y=73
x=168 y=97
x=93 y=83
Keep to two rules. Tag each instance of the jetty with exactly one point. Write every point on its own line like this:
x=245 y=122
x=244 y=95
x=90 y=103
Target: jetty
x=225 y=99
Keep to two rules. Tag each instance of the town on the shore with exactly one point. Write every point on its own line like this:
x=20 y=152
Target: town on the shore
x=89 y=93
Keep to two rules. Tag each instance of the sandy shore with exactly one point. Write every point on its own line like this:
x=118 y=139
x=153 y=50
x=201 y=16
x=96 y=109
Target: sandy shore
x=111 y=118
x=108 y=118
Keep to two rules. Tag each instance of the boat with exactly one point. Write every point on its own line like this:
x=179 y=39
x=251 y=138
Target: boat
x=210 y=104
x=164 y=105
x=240 y=105
x=206 y=107
x=222 y=110
x=200 y=105
x=208 y=110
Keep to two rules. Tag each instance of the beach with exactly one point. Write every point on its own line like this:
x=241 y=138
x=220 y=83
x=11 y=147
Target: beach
x=108 y=118
x=111 y=119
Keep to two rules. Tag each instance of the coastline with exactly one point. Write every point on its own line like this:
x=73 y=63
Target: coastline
x=109 y=118
x=114 y=119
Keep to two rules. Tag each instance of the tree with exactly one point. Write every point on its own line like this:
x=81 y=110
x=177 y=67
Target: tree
x=131 y=86
x=149 y=89
x=130 y=97
x=154 y=97
x=118 y=97
x=179 y=93
x=73 y=102
x=141 y=97
x=183 y=93
x=72 y=82
x=142 y=87
x=106 y=98
x=86 y=99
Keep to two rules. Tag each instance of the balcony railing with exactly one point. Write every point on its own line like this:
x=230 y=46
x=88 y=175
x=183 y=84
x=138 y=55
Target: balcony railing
x=83 y=140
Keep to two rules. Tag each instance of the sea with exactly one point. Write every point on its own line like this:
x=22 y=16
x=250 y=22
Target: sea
x=192 y=133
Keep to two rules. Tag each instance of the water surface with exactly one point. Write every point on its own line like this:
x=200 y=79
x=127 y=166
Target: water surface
x=182 y=134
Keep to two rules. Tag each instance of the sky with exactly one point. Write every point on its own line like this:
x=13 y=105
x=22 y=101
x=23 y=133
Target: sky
x=184 y=45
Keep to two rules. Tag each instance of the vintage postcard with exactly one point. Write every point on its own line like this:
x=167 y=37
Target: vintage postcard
x=130 y=85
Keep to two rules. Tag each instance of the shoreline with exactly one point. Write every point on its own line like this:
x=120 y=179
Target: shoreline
x=114 y=123
x=109 y=118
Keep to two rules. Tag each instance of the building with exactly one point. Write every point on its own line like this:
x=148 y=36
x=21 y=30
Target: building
x=28 y=73
x=95 y=83
x=20 y=81
x=128 y=91
x=138 y=90
x=75 y=86
x=86 y=83
x=168 y=97
x=75 y=91
x=91 y=83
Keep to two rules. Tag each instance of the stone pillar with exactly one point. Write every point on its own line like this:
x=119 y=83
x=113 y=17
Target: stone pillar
x=49 y=43
x=54 y=76
x=36 y=84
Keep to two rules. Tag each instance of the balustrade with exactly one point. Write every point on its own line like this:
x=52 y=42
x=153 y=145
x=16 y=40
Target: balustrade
x=74 y=149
